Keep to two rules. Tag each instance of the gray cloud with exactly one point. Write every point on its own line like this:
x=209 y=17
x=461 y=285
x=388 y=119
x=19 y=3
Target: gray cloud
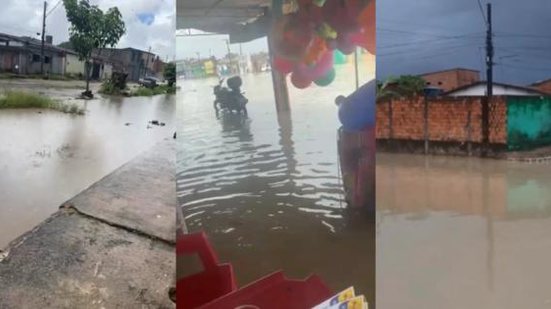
x=24 y=17
x=425 y=35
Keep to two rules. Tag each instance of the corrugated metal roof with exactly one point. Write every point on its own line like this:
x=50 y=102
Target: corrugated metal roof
x=220 y=16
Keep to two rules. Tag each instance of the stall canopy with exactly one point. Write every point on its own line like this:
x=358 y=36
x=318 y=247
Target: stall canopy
x=243 y=20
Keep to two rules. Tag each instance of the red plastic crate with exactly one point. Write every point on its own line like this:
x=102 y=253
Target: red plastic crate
x=275 y=291
x=213 y=282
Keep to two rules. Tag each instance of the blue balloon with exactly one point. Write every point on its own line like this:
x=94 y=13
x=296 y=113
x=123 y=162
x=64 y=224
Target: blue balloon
x=357 y=111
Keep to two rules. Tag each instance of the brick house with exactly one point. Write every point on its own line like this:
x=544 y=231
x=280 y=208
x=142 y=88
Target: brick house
x=136 y=63
x=450 y=79
x=544 y=86
x=479 y=89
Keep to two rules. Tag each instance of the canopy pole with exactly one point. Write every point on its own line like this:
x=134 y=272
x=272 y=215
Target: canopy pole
x=356 y=68
x=279 y=81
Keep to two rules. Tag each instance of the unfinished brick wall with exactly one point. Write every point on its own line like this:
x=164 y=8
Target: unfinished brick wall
x=448 y=119
x=451 y=79
x=544 y=86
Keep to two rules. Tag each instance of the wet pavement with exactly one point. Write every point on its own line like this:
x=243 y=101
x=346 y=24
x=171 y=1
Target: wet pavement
x=108 y=247
x=267 y=189
x=462 y=233
x=47 y=157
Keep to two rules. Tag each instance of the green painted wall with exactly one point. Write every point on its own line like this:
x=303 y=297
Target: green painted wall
x=528 y=122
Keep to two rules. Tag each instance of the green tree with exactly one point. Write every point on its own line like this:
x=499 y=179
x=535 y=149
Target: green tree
x=397 y=87
x=92 y=29
x=66 y=45
x=169 y=73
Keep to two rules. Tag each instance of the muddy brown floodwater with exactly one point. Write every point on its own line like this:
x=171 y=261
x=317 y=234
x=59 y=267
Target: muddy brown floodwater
x=462 y=233
x=47 y=157
x=267 y=190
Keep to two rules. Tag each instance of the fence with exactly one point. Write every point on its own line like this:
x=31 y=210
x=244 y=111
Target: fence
x=431 y=123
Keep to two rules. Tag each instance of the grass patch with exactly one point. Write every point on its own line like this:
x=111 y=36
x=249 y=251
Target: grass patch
x=109 y=88
x=18 y=99
x=56 y=77
x=147 y=92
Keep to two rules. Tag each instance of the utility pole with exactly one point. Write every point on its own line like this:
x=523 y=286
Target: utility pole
x=43 y=34
x=147 y=61
x=489 y=53
x=229 y=55
x=489 y=83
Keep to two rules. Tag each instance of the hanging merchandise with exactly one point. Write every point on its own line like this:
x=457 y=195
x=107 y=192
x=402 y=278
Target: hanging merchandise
x=318 y=34
x=338 y=57
x=300 y=81
x=327 y=79
x=283 y=65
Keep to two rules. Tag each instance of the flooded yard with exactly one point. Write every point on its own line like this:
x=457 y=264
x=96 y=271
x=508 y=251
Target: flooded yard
x=462 y=233
x=267 y=189
x=46 y=157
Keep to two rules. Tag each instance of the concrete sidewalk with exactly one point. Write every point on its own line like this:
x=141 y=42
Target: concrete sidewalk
x=111 y=246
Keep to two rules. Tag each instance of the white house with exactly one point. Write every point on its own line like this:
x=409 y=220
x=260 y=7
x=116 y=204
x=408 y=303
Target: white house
x=73 y=65
x=499 y=89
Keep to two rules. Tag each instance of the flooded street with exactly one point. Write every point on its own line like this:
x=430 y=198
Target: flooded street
x=267 y=189
x=46 y=157
x=462 y=233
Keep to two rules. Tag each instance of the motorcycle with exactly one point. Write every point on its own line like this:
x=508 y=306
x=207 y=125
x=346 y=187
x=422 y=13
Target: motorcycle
x=230 y=98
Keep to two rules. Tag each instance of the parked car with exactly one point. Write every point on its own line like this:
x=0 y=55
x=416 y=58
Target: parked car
x=148 y=82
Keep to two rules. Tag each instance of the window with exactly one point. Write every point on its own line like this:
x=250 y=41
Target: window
x=428 y=83
x=46 y=59
x=439 y=83
x=36 y=58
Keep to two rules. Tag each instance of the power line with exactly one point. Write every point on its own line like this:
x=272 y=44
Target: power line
x=421 y=33
x=526 y=68
x=482 y=12
x=439 y=51
x=53 y=9
x=524 y=35
x=405 y=44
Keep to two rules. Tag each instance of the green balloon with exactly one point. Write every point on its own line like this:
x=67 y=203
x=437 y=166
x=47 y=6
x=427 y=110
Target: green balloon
x=327 y=79
x=339 y=57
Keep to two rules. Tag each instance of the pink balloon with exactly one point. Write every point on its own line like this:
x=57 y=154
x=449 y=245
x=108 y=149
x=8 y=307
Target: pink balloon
x=300 y=81
x=317 y=70
x=282 y=65
x=346 y=44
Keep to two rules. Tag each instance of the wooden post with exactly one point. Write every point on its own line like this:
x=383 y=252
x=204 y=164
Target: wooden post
x=469 y=129
x=356 y=68
x=390 y=128
x=426 y=124
x=279 y=81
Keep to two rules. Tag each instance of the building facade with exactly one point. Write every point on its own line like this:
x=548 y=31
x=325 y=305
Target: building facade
x=448 y=80
x=479 y=89
x=544 y=86
x=134 y=62
x=22 y=55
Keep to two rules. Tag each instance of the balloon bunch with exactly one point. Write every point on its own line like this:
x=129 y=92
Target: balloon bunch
x=304 y=41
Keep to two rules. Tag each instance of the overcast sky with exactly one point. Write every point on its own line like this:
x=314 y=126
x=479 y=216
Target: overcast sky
x=425 y=35
x=148 y=22
x=205 y=46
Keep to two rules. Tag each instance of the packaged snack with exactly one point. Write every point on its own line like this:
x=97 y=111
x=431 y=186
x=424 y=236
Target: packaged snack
x=337 y=299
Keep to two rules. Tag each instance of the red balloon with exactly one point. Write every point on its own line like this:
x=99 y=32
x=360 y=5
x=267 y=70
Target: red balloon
x=345 y=44
x=299 y=81
x=290 y=38
x=366 y=19
x=283 y=65
x=317 y=70
x=341 y=15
